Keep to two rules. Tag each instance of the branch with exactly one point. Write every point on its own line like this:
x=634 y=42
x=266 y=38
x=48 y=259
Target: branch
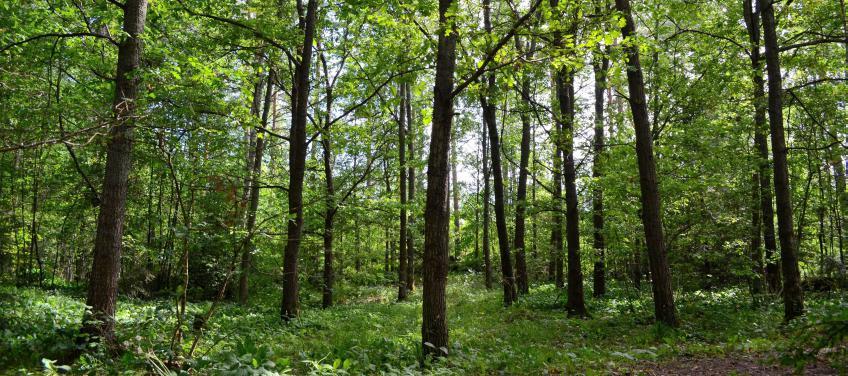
x=57 y=35
x=812 y=43
x=490 y=56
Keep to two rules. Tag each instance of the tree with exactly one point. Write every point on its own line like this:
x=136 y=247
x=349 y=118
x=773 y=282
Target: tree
x=103 y=284
x=793 y=300
x=664 y=309
x=290 y=306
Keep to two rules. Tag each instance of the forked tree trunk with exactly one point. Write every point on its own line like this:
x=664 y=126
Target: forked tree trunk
x=103 y=284
x=664 y=309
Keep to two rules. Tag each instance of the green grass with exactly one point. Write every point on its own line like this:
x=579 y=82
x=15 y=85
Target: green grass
x=373 y=334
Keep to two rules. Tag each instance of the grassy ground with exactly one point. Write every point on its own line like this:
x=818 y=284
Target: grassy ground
x=372 y=334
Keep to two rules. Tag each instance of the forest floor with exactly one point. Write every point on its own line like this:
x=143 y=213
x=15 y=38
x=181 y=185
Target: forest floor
x=369 y=333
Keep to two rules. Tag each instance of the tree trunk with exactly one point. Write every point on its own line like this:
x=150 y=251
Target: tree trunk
x=487 y=256
x=434 y=328
x=290 y=306
x=521 y=280
x=457 y=237
x=600 y=67
x=410 y=239
x=253 y=204
x=664 y=309
x=575 y=304
x=793 y=300
x=103 y=283
x=772 y=270
x=402 y=263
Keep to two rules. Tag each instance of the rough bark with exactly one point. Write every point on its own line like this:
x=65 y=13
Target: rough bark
x=290 y=306
x=103 y=285
x=664 y=309
x=487 y=256
x=434 y=328
x=793 y=299
x=521 y=279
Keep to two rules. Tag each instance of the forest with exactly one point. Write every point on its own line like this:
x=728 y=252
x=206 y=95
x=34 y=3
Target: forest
x=451 y=187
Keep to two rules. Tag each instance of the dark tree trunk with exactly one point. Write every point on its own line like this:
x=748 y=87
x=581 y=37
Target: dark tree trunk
x=103 y=284
x=410 y=239
x=793 y=299
x=457 y=236
x=772 y=270
x=497 y=175
x=290 y=306
x=556 y=234
x=253 y=204
x=756 y=243
x=487 y=256
x=521 y=279
x=600 y=67
x=434 y=327
x=575 y=304
x=500 y=214
x=402 y=263
x=664 y=309
x=330 y=207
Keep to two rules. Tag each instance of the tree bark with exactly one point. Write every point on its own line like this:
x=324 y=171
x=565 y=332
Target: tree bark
x=410 y=238
x=664 y=309
x=290 y=306
x=575 y=304
x=497 y=175
x=103 y=284
x=487 y=256
x=521 y=278
x=600 y=67
x=793 y=299
x=403 y=233
x=772 y=270
x=434 y=328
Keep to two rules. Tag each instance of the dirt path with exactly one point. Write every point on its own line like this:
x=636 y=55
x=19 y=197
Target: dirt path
x=754 y=364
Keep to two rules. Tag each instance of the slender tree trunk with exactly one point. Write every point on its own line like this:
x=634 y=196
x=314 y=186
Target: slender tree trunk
x=521 y=280
x=487 y=258
x=403 y=233
x=103 y=283
x=410 y=238
x=757 y=271
x=290 y=306
x=500 y=214
x=253 y=204
x=793 y=299
x=600 y=67
x=434 y=327
x=575 y=305
x=457 y=236
x=772 y=270
x=664 y=309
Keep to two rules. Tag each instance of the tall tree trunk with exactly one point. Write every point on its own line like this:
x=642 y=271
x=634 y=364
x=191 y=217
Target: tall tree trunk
x=664 y=309
x=575 y=304
x=457 y=237
x=497 y=175
x=290 y=306
x=793 y=299
x=410 y=239
x=103 y=284
x=329 y=217
x=772 y=270
x=487 y=256
x=600 y=67
x=434 y=328
x=253 y=204
x=403 y=233
x=521 y=279
x=757 y=271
